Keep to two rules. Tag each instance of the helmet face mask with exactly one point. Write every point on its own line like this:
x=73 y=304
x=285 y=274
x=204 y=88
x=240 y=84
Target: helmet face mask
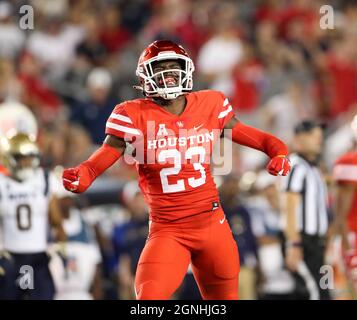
x=167 y=74
x=24 y=167
x=21 y=156
x=166 y=83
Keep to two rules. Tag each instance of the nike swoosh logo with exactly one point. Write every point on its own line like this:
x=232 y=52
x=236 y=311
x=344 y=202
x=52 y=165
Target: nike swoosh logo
x=196 y=128
x=222 y=220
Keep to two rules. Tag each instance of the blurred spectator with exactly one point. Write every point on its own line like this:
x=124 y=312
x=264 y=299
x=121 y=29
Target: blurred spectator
x=275 y=282
x=51 y=7
x=36 y=93
x=103 y=217
x=79 y=145
x=266 y=39
x=240 y=222
x=91 y=47
x=12 y=38
x=284 y=111
x=113 y=35
x=54 y=45
x=177 y=20
x=129 y=239
x=10 y=88
x=64 y=144
x=53 y=141
x=223 y=51
x=164 y=21
x=72 y=87
x=341 y=67
x=248 y=77
x=298 y=12
x=94 y=112
x=192 y=24
x=267 y=11
x=135 y=14
x=77 y=272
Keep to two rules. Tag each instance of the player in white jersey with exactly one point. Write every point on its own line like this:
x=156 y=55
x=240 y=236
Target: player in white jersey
x=27 y=208
x=77 y=277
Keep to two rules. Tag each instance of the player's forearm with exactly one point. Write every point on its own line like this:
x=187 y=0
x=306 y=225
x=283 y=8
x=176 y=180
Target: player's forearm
x=60 y=234
x=259 y=140
x=56 y=220
x=80 y=178
x=101 y=160
x=291 y=204
x=97 y=285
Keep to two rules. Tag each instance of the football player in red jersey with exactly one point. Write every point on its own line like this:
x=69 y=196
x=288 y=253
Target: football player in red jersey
x=173 y=130
x=345 y=175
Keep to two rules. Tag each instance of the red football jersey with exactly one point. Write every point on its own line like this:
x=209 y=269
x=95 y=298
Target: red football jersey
x=345 y=171
x=173 y=152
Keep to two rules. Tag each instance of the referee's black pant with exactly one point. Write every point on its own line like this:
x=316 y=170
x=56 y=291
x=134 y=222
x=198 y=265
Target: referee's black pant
x=314 y=258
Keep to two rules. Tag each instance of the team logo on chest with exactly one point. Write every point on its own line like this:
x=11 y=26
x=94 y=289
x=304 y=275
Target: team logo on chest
x=162 y=130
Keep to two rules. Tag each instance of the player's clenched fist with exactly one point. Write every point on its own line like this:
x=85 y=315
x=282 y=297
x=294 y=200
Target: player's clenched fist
x=76 y=179
x=79 y=179
x=279 y=166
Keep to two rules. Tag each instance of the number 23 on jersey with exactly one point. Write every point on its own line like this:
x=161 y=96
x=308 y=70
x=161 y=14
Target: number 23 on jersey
x=177 y=167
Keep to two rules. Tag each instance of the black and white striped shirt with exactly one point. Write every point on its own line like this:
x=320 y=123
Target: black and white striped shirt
x=312 y=213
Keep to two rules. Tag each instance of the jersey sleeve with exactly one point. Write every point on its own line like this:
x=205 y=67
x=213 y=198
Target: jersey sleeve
x=345 y=170
x=225 y=110
x=120 y=124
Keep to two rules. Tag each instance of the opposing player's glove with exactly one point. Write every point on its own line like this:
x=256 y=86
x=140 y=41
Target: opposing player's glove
x=279 y=166
x=77 y=179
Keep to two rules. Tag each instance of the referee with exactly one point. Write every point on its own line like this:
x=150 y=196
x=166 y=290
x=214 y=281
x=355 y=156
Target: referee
x=305 y=217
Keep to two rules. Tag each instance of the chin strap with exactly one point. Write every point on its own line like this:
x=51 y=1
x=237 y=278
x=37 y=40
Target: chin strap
x=140 y=88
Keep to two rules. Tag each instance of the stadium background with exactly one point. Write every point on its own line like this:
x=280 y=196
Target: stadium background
x=270 y=57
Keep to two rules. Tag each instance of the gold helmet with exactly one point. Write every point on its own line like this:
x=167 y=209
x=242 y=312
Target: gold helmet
x=20 y=154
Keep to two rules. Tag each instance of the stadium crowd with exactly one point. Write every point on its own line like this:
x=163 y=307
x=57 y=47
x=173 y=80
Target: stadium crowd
x=62 y=79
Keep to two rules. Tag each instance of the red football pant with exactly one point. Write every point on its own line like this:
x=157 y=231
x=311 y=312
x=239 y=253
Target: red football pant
x=207 y=242
x=350 y=260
